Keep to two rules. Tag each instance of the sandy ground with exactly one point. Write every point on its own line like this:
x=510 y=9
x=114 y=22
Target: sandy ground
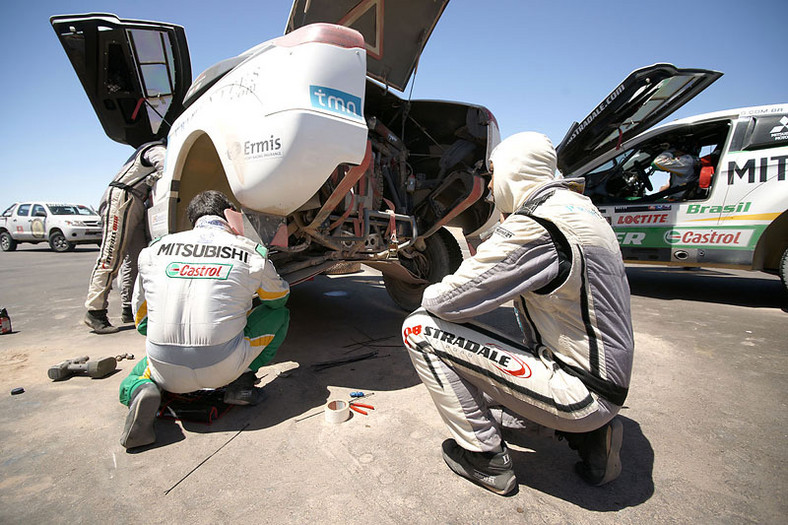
x=704 y=423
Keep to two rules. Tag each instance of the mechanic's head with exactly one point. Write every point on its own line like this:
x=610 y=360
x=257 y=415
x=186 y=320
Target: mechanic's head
x=209 y=202
x=520 y=163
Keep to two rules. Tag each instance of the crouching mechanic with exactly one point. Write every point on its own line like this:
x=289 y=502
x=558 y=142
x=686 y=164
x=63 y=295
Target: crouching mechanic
x=193 y=300
x=557 y=259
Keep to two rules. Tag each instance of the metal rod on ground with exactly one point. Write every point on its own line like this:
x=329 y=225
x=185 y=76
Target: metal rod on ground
x=206 y=459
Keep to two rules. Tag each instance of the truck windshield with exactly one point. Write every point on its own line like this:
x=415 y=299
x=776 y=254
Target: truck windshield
x=69 y=209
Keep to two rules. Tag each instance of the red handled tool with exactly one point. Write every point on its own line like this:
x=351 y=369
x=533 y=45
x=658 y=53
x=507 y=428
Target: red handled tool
x=355 y=408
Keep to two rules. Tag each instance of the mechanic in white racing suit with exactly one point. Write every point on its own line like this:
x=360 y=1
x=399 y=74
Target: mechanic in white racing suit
x=122 y=210
x=557 y=259
x=193 y=300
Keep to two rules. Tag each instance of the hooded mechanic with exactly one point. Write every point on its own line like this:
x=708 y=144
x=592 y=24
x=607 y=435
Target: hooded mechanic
x=193 y=300
x=557 y=259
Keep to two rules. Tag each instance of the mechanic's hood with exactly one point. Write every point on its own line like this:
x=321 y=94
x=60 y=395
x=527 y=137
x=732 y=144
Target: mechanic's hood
x=522 y=164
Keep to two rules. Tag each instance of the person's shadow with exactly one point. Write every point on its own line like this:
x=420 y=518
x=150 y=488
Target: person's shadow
x=548 y=465
x=331 y=319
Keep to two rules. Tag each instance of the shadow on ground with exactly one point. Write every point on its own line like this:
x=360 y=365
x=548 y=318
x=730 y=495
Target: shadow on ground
x=330 y=320
x=547 y=465
x=707 y=285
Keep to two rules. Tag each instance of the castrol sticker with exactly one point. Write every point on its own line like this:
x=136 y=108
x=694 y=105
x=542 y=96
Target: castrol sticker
x=182 y=270
x=703 y=237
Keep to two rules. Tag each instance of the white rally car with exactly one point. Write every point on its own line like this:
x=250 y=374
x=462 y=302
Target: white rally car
x=305 y=133
x=732 y=216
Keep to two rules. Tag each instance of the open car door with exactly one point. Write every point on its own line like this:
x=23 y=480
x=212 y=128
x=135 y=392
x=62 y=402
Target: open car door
x=643 y=99
x=135 y=73
x=395 y=32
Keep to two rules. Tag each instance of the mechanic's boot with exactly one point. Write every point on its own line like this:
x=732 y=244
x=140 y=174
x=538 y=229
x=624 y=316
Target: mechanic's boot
x=97 y=320
x=243 y=392
x=600 y=452
x=490 y=470
x=127 y=316
x=143 y=408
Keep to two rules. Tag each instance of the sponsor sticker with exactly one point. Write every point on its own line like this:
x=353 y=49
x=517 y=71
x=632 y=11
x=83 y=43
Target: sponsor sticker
x=183 y=270
x=336 y=101
x=690 y=237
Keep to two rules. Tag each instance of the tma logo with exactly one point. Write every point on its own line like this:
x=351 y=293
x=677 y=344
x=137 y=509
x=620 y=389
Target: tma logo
x=335 y=101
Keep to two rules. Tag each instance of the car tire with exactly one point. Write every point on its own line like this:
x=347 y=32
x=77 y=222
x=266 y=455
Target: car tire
x=59 y=243
x=784 y=269
x=440 y=257
x=7 y=243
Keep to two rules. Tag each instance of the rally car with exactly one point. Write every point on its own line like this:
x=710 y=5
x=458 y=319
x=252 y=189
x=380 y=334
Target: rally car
x=732 y=215
x=305 y=133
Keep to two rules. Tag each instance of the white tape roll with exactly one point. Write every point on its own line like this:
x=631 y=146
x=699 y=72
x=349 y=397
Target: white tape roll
x=337 y=411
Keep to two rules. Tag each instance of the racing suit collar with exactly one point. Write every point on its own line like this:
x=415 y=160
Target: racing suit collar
x=213 y=221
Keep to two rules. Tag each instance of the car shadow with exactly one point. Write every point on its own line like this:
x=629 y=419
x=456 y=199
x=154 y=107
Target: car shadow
x=707 y=285
x=331 y=319
x=547 y=465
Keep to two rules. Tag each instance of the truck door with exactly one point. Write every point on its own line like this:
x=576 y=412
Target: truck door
x=20 y=223
x=38 y=227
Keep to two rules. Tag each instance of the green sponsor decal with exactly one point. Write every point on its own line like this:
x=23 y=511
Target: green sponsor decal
x=732 y=238
x=184 y=270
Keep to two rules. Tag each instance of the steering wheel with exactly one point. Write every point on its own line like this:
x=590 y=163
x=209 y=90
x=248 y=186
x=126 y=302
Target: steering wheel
x=644 y=178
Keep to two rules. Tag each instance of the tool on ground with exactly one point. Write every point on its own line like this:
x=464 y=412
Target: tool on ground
x=82 y=365
x=5 y=322
x=121 y=357
x=206 y=459
x=355 y=407
x=336 y=362
x=337 y=411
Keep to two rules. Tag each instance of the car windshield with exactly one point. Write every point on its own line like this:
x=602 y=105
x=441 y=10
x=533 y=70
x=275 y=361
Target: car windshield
x=69 y=209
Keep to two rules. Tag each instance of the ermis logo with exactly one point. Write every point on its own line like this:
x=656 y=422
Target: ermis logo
x=198 y=271
x=336 y=101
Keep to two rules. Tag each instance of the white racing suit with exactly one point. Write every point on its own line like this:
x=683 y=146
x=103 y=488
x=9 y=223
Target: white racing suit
x=122 y=209
x=557 y=259
x=193 y=300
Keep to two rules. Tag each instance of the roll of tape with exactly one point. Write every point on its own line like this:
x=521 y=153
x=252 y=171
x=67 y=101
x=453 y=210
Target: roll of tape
x=337 y=411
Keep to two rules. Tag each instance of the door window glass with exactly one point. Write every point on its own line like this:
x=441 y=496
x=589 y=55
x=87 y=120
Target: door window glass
x=24 y=210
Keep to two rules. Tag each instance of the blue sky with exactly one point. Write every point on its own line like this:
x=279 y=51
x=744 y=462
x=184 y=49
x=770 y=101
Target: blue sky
x=537 y=65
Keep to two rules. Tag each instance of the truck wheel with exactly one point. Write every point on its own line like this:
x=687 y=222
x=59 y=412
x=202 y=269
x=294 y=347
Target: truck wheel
x=441 y=256
x=58 y=242
x=784 y=269
x=7 y=243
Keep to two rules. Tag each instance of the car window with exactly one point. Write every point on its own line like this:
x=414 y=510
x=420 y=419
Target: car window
x=9 y=211
x=69 y=209
x=24 y=209
x=39 y=211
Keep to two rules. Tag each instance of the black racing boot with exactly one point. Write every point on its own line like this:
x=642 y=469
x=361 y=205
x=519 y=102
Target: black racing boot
x=143 y=408
x=491 y=470
x=599 y=451
x=243 y=392
x=97 y=320
x=127 y=316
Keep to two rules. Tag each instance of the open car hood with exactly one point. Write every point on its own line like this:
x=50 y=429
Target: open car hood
x=135 y=73
x=395 y=31
x=643 y=99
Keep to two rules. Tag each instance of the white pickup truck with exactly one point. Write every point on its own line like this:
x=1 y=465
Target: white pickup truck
x=63 y=226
